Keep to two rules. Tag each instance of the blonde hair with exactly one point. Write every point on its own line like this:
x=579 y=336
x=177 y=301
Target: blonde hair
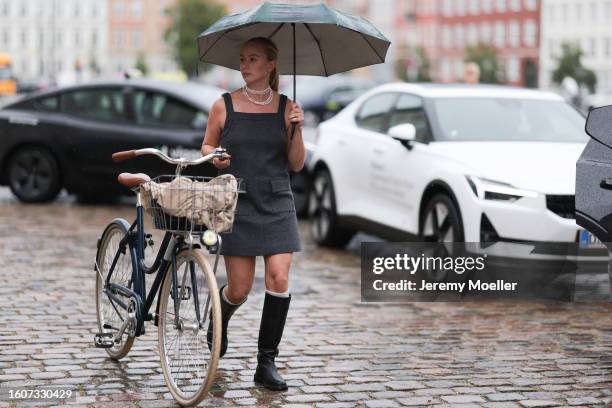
x=272 y=53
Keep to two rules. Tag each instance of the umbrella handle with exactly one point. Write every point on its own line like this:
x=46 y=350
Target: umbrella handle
x=292 y=132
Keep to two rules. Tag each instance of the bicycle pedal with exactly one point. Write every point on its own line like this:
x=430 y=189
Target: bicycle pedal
x=104 y=340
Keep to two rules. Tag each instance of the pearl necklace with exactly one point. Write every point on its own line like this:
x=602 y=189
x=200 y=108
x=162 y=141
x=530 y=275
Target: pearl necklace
x=246 y=90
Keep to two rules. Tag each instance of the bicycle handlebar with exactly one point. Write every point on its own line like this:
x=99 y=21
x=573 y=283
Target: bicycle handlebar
x=129 y=154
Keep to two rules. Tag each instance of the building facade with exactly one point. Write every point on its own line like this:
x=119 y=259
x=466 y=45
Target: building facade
x=590 y=24
x=445 y=28
x=136 y=28
x=51 y=40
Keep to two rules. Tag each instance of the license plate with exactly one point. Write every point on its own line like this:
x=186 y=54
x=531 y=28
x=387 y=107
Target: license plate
x=588 y=240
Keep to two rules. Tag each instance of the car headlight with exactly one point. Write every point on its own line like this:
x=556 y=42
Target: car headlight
x=496 y=190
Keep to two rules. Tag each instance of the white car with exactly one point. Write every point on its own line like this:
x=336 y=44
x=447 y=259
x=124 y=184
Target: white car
x=471 y=163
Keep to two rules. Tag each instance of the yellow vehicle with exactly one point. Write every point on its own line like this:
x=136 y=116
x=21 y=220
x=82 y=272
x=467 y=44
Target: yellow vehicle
x=8 y=86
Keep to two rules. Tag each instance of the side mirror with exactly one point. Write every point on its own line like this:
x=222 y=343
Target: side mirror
x=599 y=125
x=405 y=133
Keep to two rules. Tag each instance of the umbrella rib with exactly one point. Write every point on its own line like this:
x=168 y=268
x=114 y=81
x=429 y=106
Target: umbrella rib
x=319 y=46
x=276 y=30
x=371 y=46
x=221 y=36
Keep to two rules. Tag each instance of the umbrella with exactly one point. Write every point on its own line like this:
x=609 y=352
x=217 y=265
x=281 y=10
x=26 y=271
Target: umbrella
x=330 y=41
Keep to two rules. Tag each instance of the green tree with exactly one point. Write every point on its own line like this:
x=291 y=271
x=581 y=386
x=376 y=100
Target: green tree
x=485 y=56
x=187 y=19
x=141 y=64
x=423 y=72
x=570 y=64
x=417 y=60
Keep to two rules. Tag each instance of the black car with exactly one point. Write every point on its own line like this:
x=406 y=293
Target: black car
x=64 y=138
x=594 y=178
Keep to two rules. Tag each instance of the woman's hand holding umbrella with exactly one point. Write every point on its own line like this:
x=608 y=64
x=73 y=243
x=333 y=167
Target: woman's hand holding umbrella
x=297 y=115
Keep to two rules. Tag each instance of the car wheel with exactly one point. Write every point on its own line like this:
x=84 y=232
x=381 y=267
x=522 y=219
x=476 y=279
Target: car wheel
x=34 y=175
x=440 y=221
x=322 y=209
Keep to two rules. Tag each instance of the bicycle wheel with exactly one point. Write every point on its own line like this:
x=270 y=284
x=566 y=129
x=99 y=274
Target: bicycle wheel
x=189 y=367
x=110 y=314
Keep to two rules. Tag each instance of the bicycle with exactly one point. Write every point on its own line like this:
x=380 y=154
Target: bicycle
x=183 y=301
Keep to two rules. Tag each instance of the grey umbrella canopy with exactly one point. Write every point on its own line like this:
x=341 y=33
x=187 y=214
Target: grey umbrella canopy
x=327 y=41
x=311 y=39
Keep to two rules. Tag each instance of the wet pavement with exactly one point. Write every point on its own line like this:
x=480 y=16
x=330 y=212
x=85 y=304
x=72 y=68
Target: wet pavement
x=336 y=351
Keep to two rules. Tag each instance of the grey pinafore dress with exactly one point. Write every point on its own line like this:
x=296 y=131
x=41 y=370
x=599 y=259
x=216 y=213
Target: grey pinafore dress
x=265 y=222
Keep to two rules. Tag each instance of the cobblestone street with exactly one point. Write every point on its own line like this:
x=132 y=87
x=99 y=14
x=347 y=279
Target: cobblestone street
x=336 y=351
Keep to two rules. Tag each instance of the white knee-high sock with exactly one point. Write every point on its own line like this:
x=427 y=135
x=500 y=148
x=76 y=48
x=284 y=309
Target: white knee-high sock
x=278 y=294
x=227 y=300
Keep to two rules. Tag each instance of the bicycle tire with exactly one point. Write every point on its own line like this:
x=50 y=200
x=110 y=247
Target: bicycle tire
x=180 y=388
x=105 y=311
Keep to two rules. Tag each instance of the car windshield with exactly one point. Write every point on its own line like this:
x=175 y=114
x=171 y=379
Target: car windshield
x=5 y=72
x=508 y=119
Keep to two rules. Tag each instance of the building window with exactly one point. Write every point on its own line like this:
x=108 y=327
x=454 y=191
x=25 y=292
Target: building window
x=531 y=4
x=118 y=38
x=513 y=70
x=6 y=38
x=591 y=47
x=608 y=10
x=94 y=38
x=459 y=66
x=447 y=37
x=578 y=12
x=485 y=33
x=136 y=38
x=119 y=8
x=446 y=70
x=136 y=9
x=459 y=36
x=608 y=47
x=501 y=5
x=551 y=48
x=515 y=5
x=460 y=7
x=593 y=8
x=77 y=36
x=472 y=34
x=474 y=7
x=529 y=33
x=487 y=6
x=24 y=37
x=5 y=9
x=564 y=13
x=447 y=8
x=58 y=38
x=23 y=10
x=514 y=33
x=500 y=34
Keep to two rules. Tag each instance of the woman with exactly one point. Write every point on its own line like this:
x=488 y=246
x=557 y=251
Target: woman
x=254 y=125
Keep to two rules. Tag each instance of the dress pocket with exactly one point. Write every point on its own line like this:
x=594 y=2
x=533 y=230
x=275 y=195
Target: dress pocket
x=277 y=196
x=280 y=185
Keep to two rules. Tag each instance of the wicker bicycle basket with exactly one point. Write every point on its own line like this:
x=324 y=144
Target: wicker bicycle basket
x=192 y=204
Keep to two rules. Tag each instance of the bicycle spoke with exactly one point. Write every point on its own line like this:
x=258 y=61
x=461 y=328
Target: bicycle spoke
x=186 y=349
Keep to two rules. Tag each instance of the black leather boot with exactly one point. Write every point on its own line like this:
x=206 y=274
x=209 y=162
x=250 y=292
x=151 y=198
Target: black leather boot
x=273 y=320
x=227 y=310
